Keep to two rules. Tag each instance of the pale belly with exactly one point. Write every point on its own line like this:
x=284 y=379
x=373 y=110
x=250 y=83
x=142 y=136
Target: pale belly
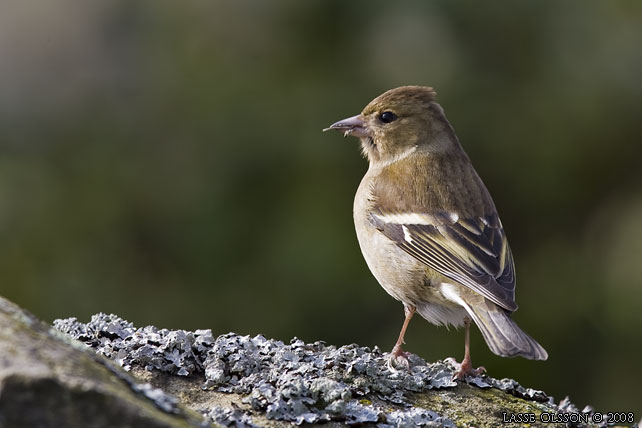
x=392 y=267
x=401 y=275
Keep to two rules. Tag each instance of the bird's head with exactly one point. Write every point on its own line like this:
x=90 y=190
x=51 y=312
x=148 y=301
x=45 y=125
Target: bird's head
x=399 y=122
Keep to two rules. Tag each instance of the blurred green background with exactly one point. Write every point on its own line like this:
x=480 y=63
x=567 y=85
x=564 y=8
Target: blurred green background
x=164 y=161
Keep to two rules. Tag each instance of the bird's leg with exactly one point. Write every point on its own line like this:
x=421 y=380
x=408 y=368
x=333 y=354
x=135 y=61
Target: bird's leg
x=466 y=367
x=398 y=355
x=409 y=311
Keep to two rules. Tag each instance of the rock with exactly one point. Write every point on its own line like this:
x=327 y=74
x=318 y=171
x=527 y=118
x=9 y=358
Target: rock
x=49 y=380
x=238 y=381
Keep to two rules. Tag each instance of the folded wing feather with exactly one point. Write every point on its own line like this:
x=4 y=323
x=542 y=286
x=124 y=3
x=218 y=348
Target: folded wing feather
x=471 y=251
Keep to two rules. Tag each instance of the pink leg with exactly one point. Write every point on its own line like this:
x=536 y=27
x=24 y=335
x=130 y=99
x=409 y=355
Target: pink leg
x=466 y=367
x=398 y=355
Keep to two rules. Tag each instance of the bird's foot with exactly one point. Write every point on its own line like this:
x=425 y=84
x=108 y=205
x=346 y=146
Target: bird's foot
x=465 y=368
x=398 y=359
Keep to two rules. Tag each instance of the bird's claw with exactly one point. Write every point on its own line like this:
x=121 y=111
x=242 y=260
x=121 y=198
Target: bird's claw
x=398 y=359
x=465 y=368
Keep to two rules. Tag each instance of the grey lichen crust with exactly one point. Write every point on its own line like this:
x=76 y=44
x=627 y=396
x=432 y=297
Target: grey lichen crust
x=50 y=380
x=296 y=382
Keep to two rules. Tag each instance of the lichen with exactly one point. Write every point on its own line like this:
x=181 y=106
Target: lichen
x=301 y=382
x=468 y=405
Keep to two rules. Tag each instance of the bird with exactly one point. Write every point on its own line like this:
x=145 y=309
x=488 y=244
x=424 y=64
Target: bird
x=428 y=227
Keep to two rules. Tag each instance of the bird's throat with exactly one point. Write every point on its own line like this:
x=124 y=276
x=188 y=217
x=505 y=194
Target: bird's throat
x=369 y=148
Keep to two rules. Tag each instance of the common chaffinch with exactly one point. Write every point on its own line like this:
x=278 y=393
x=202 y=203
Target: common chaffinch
x=428 y=228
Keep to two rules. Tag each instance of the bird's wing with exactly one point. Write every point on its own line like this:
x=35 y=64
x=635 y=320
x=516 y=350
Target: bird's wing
x=472 y=251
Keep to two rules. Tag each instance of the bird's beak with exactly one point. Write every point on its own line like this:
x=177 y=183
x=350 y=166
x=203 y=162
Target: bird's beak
x=354 y=126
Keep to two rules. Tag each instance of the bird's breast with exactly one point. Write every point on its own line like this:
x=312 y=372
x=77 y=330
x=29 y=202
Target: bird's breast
x=400 y=274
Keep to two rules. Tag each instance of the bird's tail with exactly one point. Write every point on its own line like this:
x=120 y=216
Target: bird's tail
x=502 y=335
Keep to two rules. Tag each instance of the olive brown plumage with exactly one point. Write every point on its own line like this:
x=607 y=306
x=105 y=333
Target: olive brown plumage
x=428 y=228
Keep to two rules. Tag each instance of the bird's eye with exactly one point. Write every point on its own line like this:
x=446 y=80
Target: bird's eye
x=387 y=117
